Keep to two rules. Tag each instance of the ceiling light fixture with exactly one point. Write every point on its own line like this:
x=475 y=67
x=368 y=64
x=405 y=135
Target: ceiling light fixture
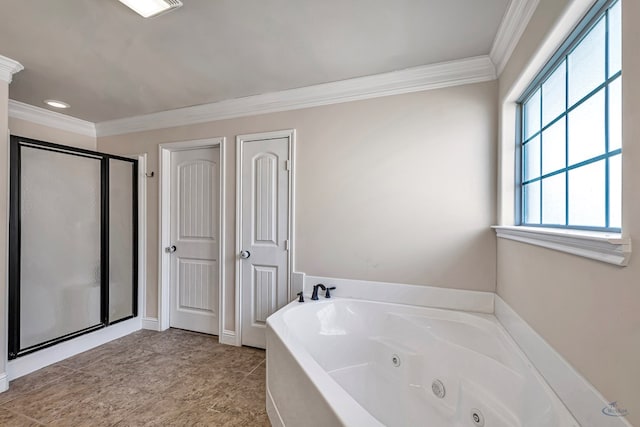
x=151 y=8
x=56 y=104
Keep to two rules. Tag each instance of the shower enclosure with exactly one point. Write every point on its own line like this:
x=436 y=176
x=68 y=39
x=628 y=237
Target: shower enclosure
x=72 y=243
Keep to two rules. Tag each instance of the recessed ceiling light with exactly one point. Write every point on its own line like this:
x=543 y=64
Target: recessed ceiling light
x=151 y=8
x=56 y=104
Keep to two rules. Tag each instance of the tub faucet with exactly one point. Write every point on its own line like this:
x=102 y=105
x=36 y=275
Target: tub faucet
x=314 y=295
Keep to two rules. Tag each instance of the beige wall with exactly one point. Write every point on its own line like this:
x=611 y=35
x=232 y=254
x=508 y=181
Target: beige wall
x=395 y=189
x=32 y=130
x=587 y=310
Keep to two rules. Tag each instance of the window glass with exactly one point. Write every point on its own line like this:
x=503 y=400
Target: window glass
x=554 y=147
x=615 y=191
x=615 y=114
x=572 y=130
x=586 y=64
x=587 y=195
x=586 y=129
x=532 y=202
x=554 y=94
x=532 y=115
x=615 y=39
x=554 y=199
x=532 y=154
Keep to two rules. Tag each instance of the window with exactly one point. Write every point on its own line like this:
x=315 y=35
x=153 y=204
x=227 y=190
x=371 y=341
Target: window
x=571 y=130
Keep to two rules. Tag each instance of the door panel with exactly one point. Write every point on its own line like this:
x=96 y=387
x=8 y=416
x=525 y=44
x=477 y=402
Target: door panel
x=195 y=220
x=265 y=231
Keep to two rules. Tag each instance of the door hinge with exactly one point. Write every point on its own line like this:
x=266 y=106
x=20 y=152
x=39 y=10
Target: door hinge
x=287 y=165
x=286 y=245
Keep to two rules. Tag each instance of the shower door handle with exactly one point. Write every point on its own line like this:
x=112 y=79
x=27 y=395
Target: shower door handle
x=170 y=249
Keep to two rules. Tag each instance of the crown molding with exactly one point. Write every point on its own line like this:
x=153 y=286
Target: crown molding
x=416 y=79
x=8 y=67
x=511 y=28
x=44 y=117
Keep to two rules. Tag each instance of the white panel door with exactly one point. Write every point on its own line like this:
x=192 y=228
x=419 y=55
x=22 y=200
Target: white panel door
x=264 y=235
x=195 y=189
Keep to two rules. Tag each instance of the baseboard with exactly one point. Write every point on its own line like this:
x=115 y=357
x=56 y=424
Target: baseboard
x=582 y=399
x=229 y=339
x=50 y=355
x=150 y=323
x=4 y=383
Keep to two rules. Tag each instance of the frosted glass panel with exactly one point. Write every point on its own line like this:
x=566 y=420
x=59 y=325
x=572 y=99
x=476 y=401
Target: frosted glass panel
x=554 y=94
x=60 y=245
x=586 y=64
x=587 y=130
x=553 y=199
x=532 y=159
x=553 y=147
x=532 y=203
x=587 y=195
x=120 y=239
x=615 y=114
x=615 y=192
x=615 y=39
x=532 y=115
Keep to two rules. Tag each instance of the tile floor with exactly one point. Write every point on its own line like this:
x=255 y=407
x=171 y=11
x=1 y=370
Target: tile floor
x=171 y=378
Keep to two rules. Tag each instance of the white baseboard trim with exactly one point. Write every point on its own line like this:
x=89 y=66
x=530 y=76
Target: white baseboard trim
x=47 y=356
x=4 y=383
x=398 y=293
x=229 y=339
x=584 y=402
x=150 y=323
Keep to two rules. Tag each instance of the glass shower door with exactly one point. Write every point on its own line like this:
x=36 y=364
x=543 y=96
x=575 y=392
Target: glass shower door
x=73 y=243
x=60 y=263
x=122 y=252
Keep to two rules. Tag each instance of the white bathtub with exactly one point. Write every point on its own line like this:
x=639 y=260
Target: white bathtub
x=361 y=363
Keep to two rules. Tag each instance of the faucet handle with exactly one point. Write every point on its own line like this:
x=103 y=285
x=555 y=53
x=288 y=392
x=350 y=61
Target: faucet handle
x=301 y=299
x=328 y=294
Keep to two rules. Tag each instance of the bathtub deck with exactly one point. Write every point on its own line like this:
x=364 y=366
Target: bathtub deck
x=146 y=378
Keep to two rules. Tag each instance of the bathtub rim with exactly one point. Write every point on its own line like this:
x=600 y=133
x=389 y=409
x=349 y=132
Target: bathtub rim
x=345 y=408
x=330 y=390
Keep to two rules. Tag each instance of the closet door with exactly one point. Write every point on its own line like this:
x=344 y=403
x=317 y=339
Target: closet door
x=60 y=236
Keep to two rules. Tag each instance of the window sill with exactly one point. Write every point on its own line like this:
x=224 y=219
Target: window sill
x=611 y=248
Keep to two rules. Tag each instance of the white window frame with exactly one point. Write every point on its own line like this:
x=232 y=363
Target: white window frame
x=606 y=246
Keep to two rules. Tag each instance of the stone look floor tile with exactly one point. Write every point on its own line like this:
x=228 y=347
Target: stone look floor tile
x=8 y=418
x=51 y=401
x=34 y=381
x=147 y=378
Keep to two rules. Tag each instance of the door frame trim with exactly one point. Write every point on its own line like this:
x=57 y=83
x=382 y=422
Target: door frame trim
x=290 y=134
x=164 y=226
x=142 y=233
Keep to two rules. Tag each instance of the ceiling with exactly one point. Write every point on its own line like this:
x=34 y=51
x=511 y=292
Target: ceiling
x=109 y=63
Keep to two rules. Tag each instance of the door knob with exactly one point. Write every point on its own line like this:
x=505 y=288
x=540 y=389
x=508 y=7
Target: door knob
x=170 y=249
x=245 y=254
